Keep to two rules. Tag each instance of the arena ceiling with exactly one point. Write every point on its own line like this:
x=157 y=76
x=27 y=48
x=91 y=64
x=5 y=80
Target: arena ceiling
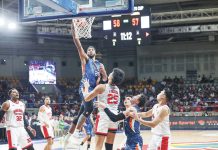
x=12 y=5
x=157 y=7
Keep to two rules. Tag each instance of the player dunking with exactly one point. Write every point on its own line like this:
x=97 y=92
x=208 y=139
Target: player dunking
x=92 y=70
x=15 y=121
x=45 y=116
x=160 y=124
x=132 y=127
x=108 y=93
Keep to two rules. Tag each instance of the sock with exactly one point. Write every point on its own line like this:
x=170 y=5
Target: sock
x=108 y=146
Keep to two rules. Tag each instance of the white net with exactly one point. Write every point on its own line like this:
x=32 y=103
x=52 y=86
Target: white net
x=83 y=27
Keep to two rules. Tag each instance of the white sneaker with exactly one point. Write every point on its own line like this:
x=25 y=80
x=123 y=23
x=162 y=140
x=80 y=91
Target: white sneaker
x=78 y=134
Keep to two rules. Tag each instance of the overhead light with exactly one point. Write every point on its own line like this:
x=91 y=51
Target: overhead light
x=12 y=25
x=116 y=15
x=2 y=21
x=135 y=13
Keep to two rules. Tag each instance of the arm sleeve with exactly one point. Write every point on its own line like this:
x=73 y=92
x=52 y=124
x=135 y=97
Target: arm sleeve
x=114 y=117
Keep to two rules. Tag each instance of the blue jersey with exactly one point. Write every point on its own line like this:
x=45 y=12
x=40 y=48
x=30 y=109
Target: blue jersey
x=132 y=131
x=91 y=73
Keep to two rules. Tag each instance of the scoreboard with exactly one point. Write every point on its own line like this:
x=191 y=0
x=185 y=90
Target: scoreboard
x=128 y=30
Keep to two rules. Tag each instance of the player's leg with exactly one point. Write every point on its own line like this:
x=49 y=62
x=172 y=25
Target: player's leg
x=99 y=141
x=101 y=130
x=50 y=138
x=111 y=135
x=155 y=142
x=49 y=144
x=48 y=134
x=88 y=108
x=89 y=142
x=73 y=126
x=88 y=132
x=164 y=145
x=12 y=138
x=24 y=140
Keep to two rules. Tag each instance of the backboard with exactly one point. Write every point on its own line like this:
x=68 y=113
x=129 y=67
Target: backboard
x=39 y=10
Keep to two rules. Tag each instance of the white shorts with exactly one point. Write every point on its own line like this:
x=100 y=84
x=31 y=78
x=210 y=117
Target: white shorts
x=47 y=132
x=103 y=124
x=159 y=142
x=18 y=136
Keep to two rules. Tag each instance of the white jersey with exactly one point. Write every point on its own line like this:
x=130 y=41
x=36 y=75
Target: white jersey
x=47 y=114
x=14 y=115
x=163 y=128
x=111 y=97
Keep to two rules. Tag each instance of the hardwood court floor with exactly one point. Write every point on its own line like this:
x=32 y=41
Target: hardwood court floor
x=181 y=140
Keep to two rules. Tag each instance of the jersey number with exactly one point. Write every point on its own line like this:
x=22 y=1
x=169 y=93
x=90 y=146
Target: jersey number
x=19 y=118
x=112 y=98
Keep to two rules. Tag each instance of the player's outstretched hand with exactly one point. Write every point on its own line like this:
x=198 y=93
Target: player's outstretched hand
x=86 y=83
x=100 y=104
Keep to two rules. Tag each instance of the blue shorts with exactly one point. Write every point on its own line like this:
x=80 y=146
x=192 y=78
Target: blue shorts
x=134 y=142
x=88 y=129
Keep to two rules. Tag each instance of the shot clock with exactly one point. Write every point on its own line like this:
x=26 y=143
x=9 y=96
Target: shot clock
x=128 y=30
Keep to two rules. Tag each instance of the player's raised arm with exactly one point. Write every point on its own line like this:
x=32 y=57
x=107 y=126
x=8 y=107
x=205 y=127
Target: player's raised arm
x=83 y=56
x=88 y=96
x=103 y=73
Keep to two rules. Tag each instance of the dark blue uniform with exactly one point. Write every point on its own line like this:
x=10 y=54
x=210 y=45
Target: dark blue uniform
x=88 y=126
x=91 y=73
x=132 y=130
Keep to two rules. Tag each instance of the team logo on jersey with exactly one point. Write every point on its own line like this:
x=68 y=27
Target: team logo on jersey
x=18 y=112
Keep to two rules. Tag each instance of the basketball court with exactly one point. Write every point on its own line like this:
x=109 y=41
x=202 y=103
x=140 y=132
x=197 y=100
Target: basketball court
x=181 y=140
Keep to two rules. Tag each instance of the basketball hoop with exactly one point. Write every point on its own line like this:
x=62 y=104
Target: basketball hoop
x=83 y=27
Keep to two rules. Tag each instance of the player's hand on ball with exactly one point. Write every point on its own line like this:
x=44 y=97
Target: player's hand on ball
x=133 y=113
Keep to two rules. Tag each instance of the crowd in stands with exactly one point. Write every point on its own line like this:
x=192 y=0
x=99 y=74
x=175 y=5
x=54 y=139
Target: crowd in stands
x=202 y=96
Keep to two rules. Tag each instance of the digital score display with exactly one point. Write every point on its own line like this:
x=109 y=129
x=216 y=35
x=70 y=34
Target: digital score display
x=128 y=30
